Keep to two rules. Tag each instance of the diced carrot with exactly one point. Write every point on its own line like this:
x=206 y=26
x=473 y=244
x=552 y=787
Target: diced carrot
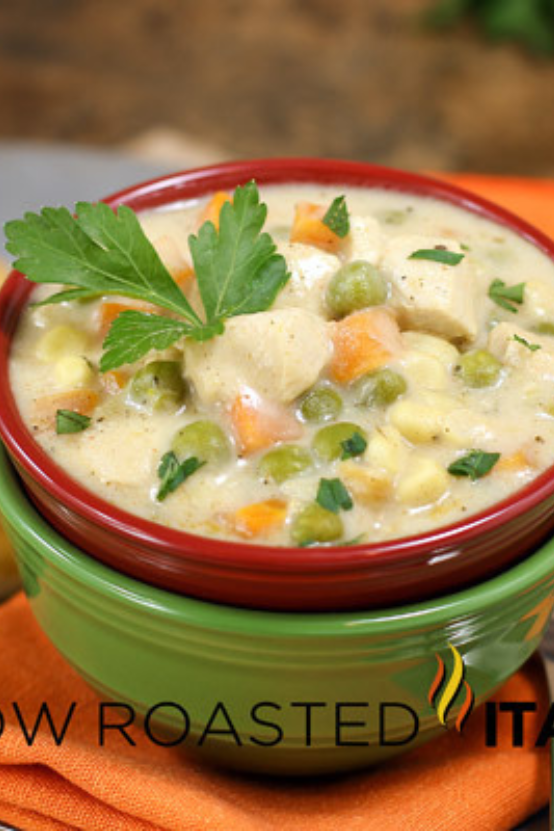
x=308 y=227
x=363 y=341
x=183 y=277
x=114 y=380
x=258 y=519
x=81 y=401
x=213 y=209
x=259 y=424
x=111 y=309
x=513 y=463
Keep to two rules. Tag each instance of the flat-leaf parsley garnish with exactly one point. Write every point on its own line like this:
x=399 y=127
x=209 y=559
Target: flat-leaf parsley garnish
x=69 y=421
x=437 y=255
x=533 y=347
x=336 y=217
x=333 y=496
x=505 y=296
x=101 y=252
x=475 y=464
x=354 y=446
x=173 y=473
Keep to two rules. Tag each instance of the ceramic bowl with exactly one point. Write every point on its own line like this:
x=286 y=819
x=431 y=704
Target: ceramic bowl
x=331 y=578
x=256 y=674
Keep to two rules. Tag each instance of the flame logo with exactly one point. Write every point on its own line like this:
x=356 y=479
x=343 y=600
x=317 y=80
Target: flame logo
x=451 y=690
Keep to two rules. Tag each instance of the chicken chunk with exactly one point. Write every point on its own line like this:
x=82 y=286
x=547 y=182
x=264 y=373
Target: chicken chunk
x=428 y=295
x=310 y=270
x=516 y=347
x=365 y=239
x=279 y=354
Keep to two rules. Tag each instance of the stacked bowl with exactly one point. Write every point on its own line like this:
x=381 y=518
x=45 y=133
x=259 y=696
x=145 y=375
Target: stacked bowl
x=278 y=660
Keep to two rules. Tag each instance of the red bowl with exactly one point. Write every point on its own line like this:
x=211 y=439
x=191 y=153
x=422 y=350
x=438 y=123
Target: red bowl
x=264 y=577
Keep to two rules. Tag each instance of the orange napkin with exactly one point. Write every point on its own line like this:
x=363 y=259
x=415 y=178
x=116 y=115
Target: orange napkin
x=454 y=782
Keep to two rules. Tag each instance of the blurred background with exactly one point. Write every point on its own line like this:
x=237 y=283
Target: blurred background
x=177 y=82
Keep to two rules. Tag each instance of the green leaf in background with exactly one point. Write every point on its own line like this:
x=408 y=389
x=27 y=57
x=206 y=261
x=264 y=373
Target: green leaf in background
x=529 y=22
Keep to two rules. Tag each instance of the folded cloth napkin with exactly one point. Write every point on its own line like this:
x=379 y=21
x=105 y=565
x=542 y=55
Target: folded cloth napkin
x=454 y=781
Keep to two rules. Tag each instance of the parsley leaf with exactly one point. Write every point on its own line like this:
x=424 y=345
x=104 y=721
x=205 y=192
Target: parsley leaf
x=505 y=296
x=475 y=464
x=532 y=346
x=133 y=334
x=173 y=473
x=353 y=446
x=97 y=250
x=69 y=421
x=237 y=268
x=101 y=252
x=336 y=217
x=333 y=496
x=437 y=255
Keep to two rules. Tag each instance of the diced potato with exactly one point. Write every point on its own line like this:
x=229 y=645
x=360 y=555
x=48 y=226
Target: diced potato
x=424 y=482
x=366 y=486
x=73 y=371
x=417 y=422
x=438 y=348
x=424 y=371
x=386 y=450
x=61 y=340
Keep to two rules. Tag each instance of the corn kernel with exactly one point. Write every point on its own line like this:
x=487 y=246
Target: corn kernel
x=425 y=371
x=438 y=348
x=73 y=371
x=386 y=450
x=59 y=341
x=417 y=422
x=366 y=486
x=424 y=483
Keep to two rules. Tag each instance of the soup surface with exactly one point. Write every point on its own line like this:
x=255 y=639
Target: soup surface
x=401 y=380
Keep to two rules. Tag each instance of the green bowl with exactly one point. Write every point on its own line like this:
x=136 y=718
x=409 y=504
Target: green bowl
x=227 y=673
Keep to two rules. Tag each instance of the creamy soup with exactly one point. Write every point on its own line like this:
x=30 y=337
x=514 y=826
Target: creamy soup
x=402 y=379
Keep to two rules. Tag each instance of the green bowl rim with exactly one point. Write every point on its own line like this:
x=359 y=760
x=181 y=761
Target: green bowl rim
x=25 y=519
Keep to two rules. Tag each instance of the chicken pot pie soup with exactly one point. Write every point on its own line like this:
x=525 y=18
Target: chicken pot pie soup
x=370 y=365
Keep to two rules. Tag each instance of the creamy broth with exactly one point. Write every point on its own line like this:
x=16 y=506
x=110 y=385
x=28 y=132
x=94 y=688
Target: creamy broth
x=433 y=370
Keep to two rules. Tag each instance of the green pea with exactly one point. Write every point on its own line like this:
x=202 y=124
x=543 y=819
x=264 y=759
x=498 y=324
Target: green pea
x=203 y=439
x=321 y=404
x=356 y=285
x=284 y=462
x=544 y=328
x=327 y=442
x=377 y=389
x=316 y=524
x=479 y=368
x=158 y=386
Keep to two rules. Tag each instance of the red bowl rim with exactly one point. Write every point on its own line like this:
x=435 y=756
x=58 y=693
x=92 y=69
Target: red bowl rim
x=240 y=555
